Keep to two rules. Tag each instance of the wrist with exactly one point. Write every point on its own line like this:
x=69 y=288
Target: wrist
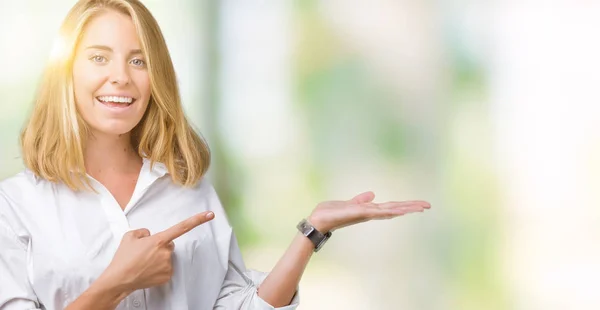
x=318 y=224
x=112 y=288
x=313 y=233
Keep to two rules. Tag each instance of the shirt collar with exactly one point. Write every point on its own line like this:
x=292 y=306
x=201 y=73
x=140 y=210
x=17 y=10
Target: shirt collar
x=157 y=168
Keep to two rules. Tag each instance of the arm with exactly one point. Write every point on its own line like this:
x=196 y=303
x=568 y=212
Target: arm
x=141 y=261
x=101 y=295
x=239 y=288
x=16 y=292
x=15 y=289
x=279 y=287
x=242 y=290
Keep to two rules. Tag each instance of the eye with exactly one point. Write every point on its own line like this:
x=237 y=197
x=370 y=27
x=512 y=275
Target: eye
x=138 y=62
x=98 y=58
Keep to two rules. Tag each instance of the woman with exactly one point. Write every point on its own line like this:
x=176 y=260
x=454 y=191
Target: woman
x=112 y=210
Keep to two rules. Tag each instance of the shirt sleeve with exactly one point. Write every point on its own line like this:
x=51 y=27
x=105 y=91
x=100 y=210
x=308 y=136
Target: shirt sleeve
x=15 y=291
x=239 y=289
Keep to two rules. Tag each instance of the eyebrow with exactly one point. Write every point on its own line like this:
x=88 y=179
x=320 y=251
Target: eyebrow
x=108 y=49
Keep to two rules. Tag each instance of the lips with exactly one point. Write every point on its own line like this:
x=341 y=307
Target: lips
x=116 y=101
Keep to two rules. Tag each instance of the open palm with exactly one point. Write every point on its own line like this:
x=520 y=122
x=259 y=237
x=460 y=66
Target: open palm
x=332 y=215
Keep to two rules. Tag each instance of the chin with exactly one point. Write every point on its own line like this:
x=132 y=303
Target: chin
x=114 y=130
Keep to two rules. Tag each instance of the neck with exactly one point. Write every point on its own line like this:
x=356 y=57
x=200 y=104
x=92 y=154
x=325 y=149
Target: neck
x=110 y=154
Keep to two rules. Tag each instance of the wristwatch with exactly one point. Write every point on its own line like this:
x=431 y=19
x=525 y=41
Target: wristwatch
x=317 y=238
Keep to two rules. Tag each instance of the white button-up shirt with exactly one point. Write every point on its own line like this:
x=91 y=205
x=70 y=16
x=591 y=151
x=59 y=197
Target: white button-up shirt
x=54 y=242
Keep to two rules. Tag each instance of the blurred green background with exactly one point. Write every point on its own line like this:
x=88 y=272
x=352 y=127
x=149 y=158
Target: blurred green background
x=486 y=109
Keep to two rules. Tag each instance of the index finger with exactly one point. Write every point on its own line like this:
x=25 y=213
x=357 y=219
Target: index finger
x=184 y=226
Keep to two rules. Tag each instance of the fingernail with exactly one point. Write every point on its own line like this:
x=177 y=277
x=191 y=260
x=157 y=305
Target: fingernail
x=210 y=215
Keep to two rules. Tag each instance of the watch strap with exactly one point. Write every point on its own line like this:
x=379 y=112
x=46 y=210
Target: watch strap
x=313 y=234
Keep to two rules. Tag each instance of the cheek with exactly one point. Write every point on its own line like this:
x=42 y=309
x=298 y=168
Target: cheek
x=86 y=81
x=142 y=82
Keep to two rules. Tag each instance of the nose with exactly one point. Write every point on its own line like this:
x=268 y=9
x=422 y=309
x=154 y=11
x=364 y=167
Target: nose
x=119 y=74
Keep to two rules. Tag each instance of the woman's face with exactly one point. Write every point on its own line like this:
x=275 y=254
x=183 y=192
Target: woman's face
x=111 y=82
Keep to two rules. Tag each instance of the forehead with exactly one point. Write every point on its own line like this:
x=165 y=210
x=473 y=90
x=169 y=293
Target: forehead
x=111 y=28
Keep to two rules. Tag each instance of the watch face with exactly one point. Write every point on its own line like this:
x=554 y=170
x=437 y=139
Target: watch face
x=307 y=230
x=316 y=237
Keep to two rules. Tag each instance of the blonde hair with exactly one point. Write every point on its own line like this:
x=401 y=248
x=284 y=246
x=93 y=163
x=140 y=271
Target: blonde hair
x=53 y=139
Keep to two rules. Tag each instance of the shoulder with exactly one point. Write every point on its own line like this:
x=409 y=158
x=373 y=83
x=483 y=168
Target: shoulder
x=23 y=185
x=18 y=186
x=24 y=193
x=15 y=192
x=205 y=189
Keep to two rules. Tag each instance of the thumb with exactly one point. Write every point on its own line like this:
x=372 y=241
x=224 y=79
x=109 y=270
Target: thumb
x=139 y=233
x=363 y=198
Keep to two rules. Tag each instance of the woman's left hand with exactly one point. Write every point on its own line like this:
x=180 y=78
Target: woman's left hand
x=332 y=215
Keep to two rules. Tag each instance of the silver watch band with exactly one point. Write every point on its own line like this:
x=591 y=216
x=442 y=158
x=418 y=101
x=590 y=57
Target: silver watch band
x=315 y=236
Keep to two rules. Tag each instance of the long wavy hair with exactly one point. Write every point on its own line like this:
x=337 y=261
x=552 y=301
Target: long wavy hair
x=53 y=139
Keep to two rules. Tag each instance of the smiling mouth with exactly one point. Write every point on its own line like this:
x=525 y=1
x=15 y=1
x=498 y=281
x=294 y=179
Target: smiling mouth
x=116 y=101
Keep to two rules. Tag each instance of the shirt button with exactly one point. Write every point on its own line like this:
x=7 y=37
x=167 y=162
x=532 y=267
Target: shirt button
x=136 y=303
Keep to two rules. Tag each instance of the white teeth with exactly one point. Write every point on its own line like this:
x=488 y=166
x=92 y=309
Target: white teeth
x=115 y=99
